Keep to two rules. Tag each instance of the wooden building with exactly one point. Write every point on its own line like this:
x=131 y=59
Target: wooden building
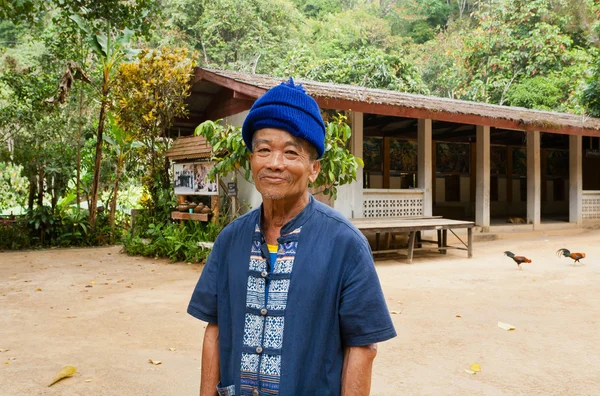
x=436 y=156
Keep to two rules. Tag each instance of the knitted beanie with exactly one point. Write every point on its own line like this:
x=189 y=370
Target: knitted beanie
x=287 y=106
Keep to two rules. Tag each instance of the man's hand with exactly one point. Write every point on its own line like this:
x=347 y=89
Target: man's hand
x=211 y=373
x=356 y=372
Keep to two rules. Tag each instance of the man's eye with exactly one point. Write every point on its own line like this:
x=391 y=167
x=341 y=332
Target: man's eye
x=263 y=150
x=291 y=152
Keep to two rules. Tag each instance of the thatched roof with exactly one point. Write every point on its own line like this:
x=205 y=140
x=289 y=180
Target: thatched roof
x=222 y=93
x=189 y=148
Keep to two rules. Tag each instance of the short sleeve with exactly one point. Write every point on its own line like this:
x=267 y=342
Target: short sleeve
x=203 y=304
x=364 y=316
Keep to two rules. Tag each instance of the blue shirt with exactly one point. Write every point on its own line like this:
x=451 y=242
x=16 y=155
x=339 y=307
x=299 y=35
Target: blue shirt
x=283 y=325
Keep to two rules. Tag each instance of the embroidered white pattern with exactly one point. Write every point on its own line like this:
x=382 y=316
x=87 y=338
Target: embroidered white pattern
x=274 y=332
x=283 y=266
x=253 y=329
x=278 y=293
x=257 y=264
x=259 y=330
x=255 y=295
x=249 y=362
x=271 y=365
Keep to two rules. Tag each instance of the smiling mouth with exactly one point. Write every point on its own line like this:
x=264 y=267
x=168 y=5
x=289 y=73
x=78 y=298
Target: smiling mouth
x=272 y=179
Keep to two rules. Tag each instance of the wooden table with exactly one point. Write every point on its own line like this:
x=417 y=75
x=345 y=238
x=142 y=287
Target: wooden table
x=414 y=226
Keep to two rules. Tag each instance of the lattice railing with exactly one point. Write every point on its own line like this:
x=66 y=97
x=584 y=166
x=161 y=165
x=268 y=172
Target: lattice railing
x=590 y=205
x=392 y=203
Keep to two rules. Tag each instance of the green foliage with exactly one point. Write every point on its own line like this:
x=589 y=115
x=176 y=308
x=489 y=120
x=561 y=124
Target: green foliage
x=177 y=242
x=14 y=236
x=249 y=35
x=229 y=151
x=338 y=166
x=13 y=186
x=591 y=92
x=368 y=68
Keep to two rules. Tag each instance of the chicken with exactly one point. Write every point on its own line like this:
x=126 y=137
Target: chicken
x=567 y=253
x=517 y=259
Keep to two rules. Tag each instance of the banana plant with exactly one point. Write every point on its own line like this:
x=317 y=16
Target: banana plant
x=110 y=50
x=124 y=144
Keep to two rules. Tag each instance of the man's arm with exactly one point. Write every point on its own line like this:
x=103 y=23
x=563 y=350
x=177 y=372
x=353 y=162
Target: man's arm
x=356 y=372
x=210 y=374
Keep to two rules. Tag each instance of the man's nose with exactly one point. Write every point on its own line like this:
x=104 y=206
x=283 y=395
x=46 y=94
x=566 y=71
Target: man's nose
x=276 y=161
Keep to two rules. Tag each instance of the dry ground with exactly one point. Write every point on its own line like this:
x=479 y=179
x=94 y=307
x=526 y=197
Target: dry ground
x=107 y=314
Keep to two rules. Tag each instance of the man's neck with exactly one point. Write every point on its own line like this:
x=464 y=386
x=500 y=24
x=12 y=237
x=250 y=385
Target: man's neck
x=278 y=212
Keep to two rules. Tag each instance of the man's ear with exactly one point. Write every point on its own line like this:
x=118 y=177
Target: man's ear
x=315 y=168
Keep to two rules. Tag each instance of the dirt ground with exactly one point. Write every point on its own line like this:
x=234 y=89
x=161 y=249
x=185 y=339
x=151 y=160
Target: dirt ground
x=108 y=314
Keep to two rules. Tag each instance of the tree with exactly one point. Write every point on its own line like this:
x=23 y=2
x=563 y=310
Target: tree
x=149 y=93
x=515 y=39
x=245 y=35
x=13 y=186
x=367 y=68
x=110 y=49
x=123 y=144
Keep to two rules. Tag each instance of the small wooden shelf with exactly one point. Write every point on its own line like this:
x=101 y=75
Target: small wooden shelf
x=190 y=216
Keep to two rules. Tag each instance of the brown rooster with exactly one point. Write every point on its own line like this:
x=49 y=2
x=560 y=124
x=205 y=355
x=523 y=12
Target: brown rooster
x=517 y=259
x=567 y=253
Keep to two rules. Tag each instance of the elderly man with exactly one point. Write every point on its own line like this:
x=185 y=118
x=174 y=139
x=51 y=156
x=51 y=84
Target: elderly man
x=290 y=292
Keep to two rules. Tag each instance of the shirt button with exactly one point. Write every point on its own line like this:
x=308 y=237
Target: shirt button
x=263 y=311
x=264 y=274
x=258 y=350
x=255 y=392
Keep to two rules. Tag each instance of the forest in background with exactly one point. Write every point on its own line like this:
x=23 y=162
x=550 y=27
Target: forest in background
x=88 y=88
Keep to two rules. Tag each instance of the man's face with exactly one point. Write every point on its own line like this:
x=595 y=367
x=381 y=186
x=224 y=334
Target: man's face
x=281 y=164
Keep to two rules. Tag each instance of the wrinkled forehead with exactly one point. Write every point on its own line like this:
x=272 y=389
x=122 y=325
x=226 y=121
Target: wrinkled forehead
x=272 y=135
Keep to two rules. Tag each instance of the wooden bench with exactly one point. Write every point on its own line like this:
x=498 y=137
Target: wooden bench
x=414 y=226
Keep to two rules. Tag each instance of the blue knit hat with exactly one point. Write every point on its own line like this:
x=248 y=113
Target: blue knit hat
x=287 y=106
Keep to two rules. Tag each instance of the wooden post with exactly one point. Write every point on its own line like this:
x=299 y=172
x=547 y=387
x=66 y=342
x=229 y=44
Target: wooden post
x=509 y=174
x=357 y=149
x=575 y=179
x=533 y=179
x=482 y=203
x=424 y=166
x=433 y=172
x=215 y=205
x=473 y=178
x=386 y=162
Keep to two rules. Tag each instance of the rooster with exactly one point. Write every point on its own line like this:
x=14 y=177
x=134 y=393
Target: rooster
x=517 y=259
x=567 y=253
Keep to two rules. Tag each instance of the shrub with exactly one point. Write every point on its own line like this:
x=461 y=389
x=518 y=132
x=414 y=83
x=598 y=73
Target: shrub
x=177 y=242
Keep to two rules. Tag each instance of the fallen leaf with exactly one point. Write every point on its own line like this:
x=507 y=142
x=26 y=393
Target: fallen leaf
x=12 y=358
x=71 y=317
x=38 y=289
x=88 y=380
x=469 y=371
x=4 y=350
x=28 y=280
x=64 y=372
x=172 y=349
x=154 y=362
x=89 y=286
x=93 y=283
x=458 y=316
x=6 y=363
x=506 y=326
x=395 y=312
x=475 y=367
